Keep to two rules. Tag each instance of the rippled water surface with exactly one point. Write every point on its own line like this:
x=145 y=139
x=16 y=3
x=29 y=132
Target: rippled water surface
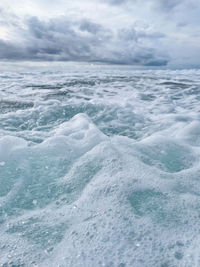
x=99 y=166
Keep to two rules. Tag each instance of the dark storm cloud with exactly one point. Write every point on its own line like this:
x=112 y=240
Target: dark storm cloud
x=61 y=39
x=82 y=40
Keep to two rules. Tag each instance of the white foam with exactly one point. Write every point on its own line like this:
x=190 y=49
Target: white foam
x=101 y=172
x=8 y=144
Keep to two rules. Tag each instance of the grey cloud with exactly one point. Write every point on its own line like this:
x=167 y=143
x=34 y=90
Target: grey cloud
x=9 y=51
x=138 y=56
x=181 y=24
x=116 y=2
x=133 y=34
x=162 y=5
x=168 y=5
x=83 y=40
x=91 y=27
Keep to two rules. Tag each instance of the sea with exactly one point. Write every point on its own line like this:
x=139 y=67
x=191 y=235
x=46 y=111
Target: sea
x=99 y=166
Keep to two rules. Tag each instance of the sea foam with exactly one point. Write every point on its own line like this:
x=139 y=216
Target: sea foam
x=100 y=169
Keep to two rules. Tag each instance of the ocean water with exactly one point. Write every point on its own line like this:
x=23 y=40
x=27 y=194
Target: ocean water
x=99 y=166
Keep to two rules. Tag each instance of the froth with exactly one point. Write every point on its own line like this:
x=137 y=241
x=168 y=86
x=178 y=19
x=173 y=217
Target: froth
x=104 y=172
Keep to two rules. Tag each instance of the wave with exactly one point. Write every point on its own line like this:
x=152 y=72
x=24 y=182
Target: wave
x=99 y=167
x=81 y=198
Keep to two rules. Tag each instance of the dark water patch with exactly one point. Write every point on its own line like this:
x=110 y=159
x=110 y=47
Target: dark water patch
x=10 y=106
x=6 y=77
x=147 y=97
x=195 y=90
x=13 y=264
x=44 y=86
x=166 y=156
x=157 y=206
x=177 y=96
x=80 y=82
x=175 y=85
x=59 y=95
x=178 y=255
x=148 y=202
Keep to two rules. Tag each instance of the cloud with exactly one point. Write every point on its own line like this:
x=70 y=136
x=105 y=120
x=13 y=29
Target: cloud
x=162 y=5
x=116 y=2
x=168 y=5
x=142 y=32
x=82 y=40
x=10 y=51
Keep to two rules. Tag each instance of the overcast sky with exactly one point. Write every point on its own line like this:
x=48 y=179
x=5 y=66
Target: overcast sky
x=138 y=32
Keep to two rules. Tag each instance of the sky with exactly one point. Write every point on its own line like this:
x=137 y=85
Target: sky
x=135 y=32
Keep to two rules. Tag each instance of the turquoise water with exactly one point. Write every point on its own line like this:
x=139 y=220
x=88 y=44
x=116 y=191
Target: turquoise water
x=99 y=166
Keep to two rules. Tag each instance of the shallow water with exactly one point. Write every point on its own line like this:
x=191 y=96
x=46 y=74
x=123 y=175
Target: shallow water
x=99 y=166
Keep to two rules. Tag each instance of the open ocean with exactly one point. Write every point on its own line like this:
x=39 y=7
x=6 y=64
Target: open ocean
x=99 y=166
